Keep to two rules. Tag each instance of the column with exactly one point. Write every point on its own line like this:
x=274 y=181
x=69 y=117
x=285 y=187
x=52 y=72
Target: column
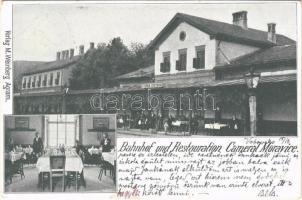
x=253 y=115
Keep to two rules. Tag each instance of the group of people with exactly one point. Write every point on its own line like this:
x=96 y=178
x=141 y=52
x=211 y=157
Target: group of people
x=37 y=145
x=157 y=122
x=142 y=121
x=105 y=144
x=193 y=123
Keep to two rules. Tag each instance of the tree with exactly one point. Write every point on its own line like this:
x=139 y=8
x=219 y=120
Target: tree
x=119 y=57
x=91 y=71
x=98 y=67
x=143 y=56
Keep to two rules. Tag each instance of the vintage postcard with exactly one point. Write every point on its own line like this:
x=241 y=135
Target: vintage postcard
x=149 y=100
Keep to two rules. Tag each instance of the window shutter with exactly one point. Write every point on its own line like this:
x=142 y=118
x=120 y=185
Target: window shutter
x=195 y=63
x=177 y=65
x=168 y=67
x=162 y=67
x=202 y=61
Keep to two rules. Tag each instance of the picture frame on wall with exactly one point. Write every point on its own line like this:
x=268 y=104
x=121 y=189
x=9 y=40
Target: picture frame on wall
x=22 y=123
x=100 y=123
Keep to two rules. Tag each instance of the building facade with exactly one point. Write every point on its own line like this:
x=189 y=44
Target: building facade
x=194 y=57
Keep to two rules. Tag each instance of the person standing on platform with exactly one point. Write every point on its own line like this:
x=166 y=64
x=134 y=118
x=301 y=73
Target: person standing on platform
x=218 y=115
x=170 y=120
x=166 y=126
x=37 y=145
x=234 y=125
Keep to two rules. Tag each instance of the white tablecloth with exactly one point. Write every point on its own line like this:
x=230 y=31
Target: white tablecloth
x=215 y=126
x=72 y=164
x=109 y=157
x=95 y=151
x=179 y=123
x=14 y=156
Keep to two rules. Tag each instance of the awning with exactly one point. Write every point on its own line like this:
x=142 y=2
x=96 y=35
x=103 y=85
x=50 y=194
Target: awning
x=141 y=87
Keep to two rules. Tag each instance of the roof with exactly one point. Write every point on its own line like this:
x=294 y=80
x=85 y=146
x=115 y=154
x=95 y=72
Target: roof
x=53 y=65
x=275 y=54
x=145 y=72
x=222 y=31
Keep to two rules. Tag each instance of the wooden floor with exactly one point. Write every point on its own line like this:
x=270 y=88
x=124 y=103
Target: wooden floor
x=30 y=182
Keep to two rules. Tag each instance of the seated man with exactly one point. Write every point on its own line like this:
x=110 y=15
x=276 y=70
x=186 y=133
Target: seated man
x=106 y=143
x=80 y=150
x=79 y=147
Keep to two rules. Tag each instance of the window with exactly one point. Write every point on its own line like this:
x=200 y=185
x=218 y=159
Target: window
x=33 y=84
x=61 y=129
x=182 y=35
x=45 y=80
x=181 y=63
x=57 y=79
x=24 y=83
x=51 y=79
x=39 y=81
x=199 y=61
x=165 y=65
x=28 y=83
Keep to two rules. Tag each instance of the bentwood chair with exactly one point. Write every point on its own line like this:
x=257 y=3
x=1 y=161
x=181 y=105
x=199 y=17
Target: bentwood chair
x=8 y=172
x=104 y=166
x=76 y=179
x=57 y=170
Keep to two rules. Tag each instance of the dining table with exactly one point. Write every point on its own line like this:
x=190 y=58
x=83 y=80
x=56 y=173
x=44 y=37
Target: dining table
x=95 y=151
x=14 y=163
x=14 y=156
x=109 y=157
x=180 y=125
x=73 y=163
x=215 y=127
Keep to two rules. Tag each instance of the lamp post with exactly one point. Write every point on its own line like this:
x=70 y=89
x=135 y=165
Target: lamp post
x=252 y=80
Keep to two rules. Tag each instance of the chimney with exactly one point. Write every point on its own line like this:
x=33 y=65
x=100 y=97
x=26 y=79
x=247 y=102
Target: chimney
x=240 y=19
x=66 y=54
x=271 y=32
x=58 y=55
x=81 y=49
x=71 y=53
x=91 y=45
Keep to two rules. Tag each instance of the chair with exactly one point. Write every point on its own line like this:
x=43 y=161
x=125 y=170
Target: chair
x=17 y=168
x=8 y=172
x=44 y=179
x=104 y=166
x=20 y=170
x=57 y=170
x=76 y=179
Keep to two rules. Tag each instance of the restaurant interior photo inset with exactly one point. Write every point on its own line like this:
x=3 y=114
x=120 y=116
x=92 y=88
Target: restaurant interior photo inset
x=60 y=153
